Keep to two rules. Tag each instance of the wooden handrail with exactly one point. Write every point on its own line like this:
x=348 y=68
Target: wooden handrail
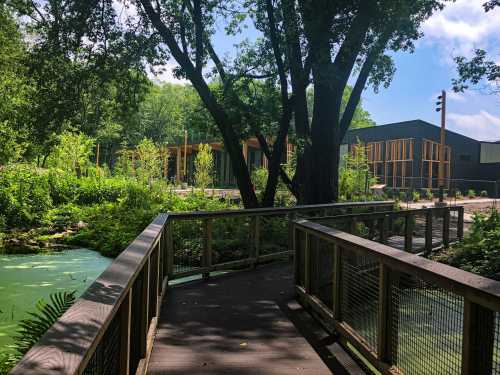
x=481 y=296
x=130 y=291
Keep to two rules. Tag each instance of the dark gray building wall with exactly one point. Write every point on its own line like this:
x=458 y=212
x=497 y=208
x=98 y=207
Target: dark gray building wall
x=465 y=151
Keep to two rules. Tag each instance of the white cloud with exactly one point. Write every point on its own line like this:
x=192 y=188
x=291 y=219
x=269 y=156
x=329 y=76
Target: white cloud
x=482 y=125
x=461 y=27
x=455 y=96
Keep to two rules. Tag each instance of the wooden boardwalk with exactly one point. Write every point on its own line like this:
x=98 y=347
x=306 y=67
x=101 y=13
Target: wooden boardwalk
x=233 y=324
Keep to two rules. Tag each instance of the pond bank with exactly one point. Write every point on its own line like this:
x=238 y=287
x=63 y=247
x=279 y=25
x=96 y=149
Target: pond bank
x=24 y=279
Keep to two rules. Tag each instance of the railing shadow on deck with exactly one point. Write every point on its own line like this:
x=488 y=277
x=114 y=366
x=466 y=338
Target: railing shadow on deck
x=110 y=327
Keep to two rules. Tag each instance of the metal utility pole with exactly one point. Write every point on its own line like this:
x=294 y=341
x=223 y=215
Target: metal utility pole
x=442 y=146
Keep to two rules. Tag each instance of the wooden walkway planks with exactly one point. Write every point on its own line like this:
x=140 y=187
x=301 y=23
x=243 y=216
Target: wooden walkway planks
x=233 y=324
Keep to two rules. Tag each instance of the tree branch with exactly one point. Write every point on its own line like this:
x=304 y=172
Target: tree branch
x=355 y=96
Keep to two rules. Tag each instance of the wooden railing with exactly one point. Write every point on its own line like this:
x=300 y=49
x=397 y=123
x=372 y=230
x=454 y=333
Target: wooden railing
x=417 y=230
x=403 y=313
x=109 y=329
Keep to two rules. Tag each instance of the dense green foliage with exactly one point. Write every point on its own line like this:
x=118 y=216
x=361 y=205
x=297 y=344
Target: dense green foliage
x=114 y=209
x=479 y=252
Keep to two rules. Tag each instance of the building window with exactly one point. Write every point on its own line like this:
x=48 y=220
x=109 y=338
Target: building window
x=466 y=158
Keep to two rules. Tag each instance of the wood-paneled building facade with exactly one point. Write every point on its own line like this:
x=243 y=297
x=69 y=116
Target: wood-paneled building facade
x=406 y=154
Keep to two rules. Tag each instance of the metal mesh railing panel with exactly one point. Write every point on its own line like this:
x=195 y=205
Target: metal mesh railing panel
x=453 y=226
x=106 y=358
x=188 y=244
x=496 y=346
x=359 y=295
x=322 y=270
x=427 y=327
x=300 y=246
x=273 y=234
x=231 y=239
x=437 y=228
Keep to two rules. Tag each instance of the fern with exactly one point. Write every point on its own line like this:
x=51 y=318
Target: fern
x=32 y=329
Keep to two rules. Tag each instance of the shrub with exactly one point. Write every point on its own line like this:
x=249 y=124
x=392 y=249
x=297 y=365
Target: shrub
x=428 y=194
x=416 y=196
x=24 y=195
x=458 y=194
x=73 y=152
x=471 y=193
x=149 y=160
x=479 y=252
x=484 y=193
x=355 y=177
x=204 y=166
x=259 y=178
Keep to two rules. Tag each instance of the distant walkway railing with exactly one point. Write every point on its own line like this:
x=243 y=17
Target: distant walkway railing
x=416 y=230
x=402 y=312
x=110 y=328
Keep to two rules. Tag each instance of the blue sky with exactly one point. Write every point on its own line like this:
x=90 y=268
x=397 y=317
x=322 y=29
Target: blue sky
x=458 y=30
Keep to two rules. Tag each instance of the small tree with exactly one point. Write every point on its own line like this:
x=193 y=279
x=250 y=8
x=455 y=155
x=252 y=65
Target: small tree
x=204 y=166
x=148 y=157
x=73 y=152
x=355 y=176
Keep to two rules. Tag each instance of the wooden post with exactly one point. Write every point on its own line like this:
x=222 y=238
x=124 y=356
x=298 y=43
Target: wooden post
x=178 y=165
x=428 y=231
x=185 y=155
x=245 y=151
x=144 y=310
x=446 y=227
x=337 y=269
x=460 y=223
x=97 y=155
x=409 y=232
x=255 y=250
x=387 y=319
x=207 y=246
x=169 y=250
x=158 y=279
x=478 y=339
x=307 y=264
x=382 y=225
x=125 y=320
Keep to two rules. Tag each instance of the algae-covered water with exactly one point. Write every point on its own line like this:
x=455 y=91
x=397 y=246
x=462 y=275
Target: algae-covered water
x=24 y=279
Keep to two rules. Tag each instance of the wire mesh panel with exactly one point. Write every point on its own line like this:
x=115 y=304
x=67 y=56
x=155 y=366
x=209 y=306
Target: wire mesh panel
x=359 y=295
x=322 y=270
x=418 y=233
x=437 y=228
x=188 y=244
x=496 y=346
x=454 y=225
x=427 y=334
x=231 y=239
x=300 y=262
x=273 y=234
x=106 y=357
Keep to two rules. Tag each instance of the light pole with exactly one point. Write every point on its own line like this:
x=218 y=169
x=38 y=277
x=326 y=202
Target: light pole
x=442 y=147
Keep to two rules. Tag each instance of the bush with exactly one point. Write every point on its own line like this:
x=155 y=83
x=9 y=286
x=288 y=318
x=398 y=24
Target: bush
x=471 y=193
x=416 y=196
x=428 y=194
x=24 y=195
x=479 y=252
x=259 y=178
x=484 y=194
x=458 y=194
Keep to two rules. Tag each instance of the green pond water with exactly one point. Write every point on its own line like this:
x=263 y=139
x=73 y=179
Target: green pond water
x=24 y=279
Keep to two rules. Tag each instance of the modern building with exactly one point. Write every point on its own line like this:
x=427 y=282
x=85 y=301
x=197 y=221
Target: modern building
x=400 y=155
x=406 y=154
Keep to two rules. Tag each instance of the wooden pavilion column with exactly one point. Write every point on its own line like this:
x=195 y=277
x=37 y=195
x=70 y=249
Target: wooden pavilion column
x=178 y=165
